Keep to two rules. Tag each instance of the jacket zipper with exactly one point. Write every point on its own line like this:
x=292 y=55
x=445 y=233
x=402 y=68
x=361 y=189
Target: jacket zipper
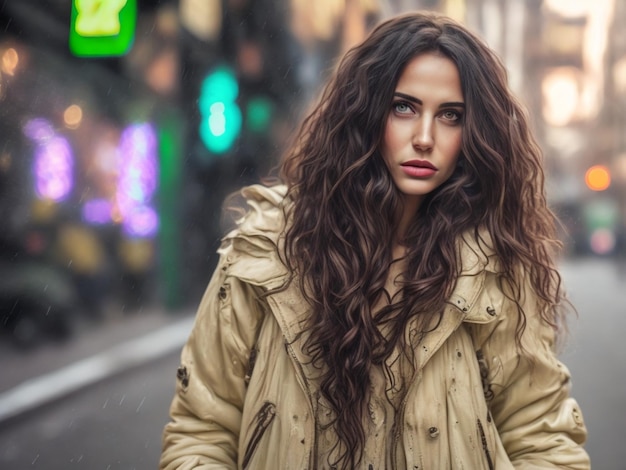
x=483 y=439
x=396 y=436
x=263 y=419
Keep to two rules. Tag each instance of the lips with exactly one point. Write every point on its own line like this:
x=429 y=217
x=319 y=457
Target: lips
x=418 y=169
x=420 y=164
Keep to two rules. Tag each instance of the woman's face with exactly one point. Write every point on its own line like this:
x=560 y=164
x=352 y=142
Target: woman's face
x=422 y=138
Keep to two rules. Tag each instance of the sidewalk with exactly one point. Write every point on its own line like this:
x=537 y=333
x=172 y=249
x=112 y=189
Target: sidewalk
x=30 y=379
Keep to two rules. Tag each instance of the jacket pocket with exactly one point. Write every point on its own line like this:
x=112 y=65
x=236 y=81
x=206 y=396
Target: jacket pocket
x=263 y=419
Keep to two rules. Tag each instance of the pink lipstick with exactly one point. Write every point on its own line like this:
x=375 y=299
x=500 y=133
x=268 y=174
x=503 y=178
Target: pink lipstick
x=419 y=168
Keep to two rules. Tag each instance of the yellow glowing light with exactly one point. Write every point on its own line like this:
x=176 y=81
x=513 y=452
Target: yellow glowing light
x=97 y=18
x=203 y=18
x=10 y=59
x=73 y=116
x=569 y=8
x=561 y=96
x=598 y=178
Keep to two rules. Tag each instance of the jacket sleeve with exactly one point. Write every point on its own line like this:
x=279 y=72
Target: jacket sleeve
x=207 y=406
x=528 y=391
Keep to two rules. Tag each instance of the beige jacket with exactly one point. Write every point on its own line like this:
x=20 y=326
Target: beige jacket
x=247 y=398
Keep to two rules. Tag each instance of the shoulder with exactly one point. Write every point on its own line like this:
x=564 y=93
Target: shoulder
x=264 y=214
x=251 y=249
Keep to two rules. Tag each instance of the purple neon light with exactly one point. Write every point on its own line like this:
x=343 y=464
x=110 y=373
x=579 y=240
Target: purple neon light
x=97 y=211
x=143 y=221
x=53 y=162
x=138 y=179
x=39 y=130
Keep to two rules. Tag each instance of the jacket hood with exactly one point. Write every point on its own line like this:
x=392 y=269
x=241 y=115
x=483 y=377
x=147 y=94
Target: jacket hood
x=252 y=248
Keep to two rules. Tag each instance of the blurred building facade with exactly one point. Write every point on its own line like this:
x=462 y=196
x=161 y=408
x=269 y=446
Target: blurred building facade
x=114 y=168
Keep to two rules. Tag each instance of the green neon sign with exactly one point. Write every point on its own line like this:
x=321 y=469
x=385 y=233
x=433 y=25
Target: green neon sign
x=102 y=28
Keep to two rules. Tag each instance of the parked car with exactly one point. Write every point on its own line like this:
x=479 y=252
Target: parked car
x=37 y=303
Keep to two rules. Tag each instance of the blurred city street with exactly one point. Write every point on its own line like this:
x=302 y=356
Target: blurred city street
x=119 y=147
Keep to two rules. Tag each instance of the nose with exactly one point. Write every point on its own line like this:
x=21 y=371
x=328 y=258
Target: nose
x=423 y=138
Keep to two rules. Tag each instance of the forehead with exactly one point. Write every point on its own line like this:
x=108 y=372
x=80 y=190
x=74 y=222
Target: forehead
x=431 y=75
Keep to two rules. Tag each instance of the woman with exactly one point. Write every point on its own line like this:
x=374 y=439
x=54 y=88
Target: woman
x=395 y=304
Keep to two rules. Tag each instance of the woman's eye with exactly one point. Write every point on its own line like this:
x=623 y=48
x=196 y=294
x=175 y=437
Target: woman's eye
x=451 y=116
x=401 y=107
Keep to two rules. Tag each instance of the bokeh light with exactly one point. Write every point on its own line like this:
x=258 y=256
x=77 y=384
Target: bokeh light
x=73 y=116
x=142 y=221
x=602 y=241
x=598 y=178
x=560 y=88
x=569 y=8
x=53 y=161
x=10 y=59
x=138 y=179
x=97 y=211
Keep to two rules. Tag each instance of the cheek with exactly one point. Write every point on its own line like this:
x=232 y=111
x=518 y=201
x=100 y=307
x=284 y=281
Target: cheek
x=454 y=146
x=387 y=145
x=453 y=150
x=397 y=135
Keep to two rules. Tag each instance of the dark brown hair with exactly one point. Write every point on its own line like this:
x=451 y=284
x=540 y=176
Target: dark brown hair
x=342 y=220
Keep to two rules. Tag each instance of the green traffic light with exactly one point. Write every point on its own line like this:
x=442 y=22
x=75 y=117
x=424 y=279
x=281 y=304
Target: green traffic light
x=221 y=119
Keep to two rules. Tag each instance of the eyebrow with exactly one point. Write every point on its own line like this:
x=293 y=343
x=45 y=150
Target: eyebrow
x=457 y=104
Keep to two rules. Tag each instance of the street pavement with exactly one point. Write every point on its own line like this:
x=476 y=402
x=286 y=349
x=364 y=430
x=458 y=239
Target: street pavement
x=596 y=357
x=118 y=342
x=114 y=424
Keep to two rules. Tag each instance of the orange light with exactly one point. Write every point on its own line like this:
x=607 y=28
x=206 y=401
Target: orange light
x=72 y=116
x=598 y=178
x=10 y=59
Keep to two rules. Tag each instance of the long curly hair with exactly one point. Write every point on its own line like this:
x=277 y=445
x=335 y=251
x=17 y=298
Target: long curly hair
x=342 y=221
